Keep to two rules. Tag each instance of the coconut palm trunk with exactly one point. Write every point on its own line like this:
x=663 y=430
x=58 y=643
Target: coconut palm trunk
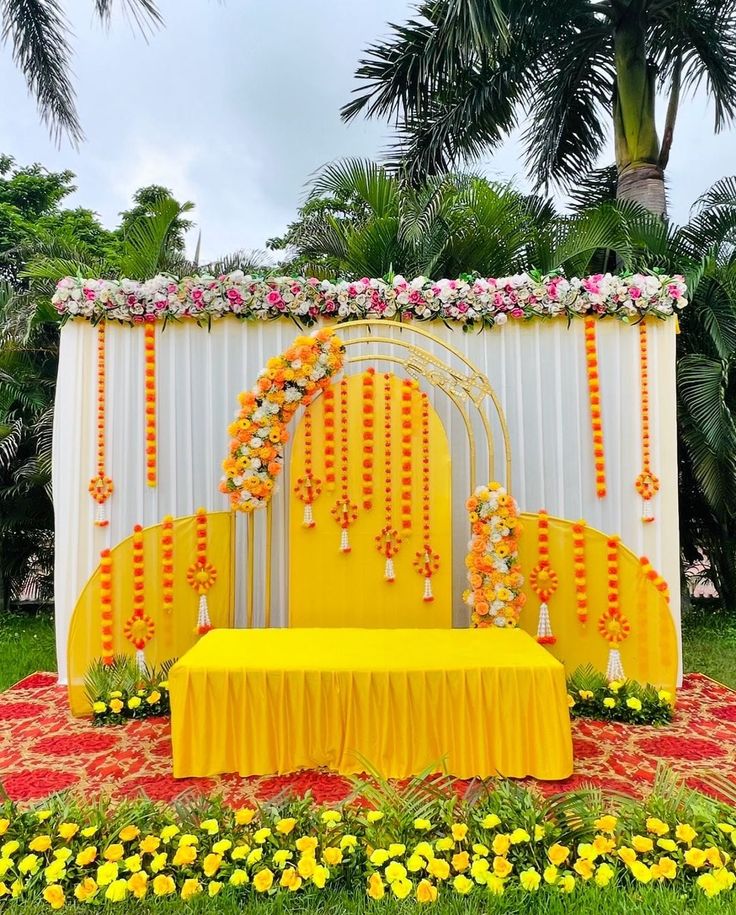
x=640 y=172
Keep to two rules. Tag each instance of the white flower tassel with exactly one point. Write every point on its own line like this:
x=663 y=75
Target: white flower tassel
x=647 y=511
x=428 y=596
x=140 y=660
x=615 y=669
x=344 y=541
x=544 y=626
x=101 y=514
x=389 y=574
x=204 y=624
x=308 y=515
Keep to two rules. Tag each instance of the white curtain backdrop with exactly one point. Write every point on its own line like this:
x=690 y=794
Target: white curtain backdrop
x=537 y=370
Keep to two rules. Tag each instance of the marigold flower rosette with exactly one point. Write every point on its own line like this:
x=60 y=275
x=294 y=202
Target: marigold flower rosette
x=494 y=573
x=259 y=431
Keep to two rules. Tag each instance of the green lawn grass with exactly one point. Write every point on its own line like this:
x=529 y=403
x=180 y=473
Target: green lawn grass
x=26 y=645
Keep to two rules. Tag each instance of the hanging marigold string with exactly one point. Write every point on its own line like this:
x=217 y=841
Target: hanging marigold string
x=201 y=574
x=150 y=386
x=368 y=436
x=656 y=579
x=408 y=386
x=139 y=628
x=389 y=540
x=426 y=561
x=579 y=574
x=106 y=612
x=329 y=422
x=594 y=396
x=344 y=511
x=308 y=487
x=647 y=483
x=167 y=574
x=100 y=486
x=612 y=624
x=543 y=581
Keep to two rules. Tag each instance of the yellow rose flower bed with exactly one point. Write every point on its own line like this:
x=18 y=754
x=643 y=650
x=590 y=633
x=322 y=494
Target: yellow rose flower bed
x=425 y=846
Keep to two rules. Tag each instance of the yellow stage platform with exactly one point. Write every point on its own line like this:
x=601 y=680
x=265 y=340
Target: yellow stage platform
x=481 y=702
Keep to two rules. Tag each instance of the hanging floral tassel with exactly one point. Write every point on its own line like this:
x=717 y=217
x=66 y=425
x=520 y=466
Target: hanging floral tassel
x=150 y=407
x=615 y=669
x=106 y=611
x=647 y=483
x=579 y=573
x=613 y=625
x=388 y=543
x=139 y=629
x=368 y=436
x=426 y=561
x=202 y=575
x=543 y=581
x=389 y=540
x=329 y=450
x=167 y=577
x=594 y=396
x=308 y=487
x=344 y=511
x=100 y=486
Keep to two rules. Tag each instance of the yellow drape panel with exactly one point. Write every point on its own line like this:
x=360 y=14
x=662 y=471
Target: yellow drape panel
x=329 y=588
x=649 y=654
x=175 y=632
x=258 y=702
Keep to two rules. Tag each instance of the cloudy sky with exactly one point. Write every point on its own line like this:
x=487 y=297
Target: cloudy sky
x=235 y=103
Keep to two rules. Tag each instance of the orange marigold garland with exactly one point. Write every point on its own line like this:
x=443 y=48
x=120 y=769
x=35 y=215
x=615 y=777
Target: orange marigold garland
x=426 y=561
x=368 y=436
x=151 y=432
x=494 y=574
x=612 y=624
x=389 y=540
x=167 y=571
x=202 y=575
x=544 y=581
x=408 y=386
x=656 y=579
x=100 y=486
x=647 y=483
x=344 y=511
x=329 y=422
x=139 y=628
x=594 y=395
x=106 y=614
x=308 y=487
x=579 y=574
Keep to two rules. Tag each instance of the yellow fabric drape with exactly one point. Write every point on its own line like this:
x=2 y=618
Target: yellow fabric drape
x=472 y=702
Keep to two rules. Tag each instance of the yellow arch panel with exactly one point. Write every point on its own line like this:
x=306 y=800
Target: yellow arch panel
x=649 y=654
x=175 y=632
x=332 y=589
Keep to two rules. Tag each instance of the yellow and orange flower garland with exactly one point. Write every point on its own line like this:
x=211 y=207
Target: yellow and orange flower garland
x=167 y=573
x=259 y=431
x=100 y=486
x=612 y=624
x=651 y=574
x=368 y=436
x=494 y=573
x=202 y=575
x=329 y=423
x=106 y=611
x=543 y=581
x=308 y=487
x=139 y=628
x=426 y=561
x=579 y=574
x=389 y=540
x=150 y=386
x=594 y=395
x=344 y=511
x=647 y=483
x=408 y=387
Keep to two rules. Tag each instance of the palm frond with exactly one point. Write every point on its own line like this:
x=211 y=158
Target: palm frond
x=145 y=248
x=144 y=13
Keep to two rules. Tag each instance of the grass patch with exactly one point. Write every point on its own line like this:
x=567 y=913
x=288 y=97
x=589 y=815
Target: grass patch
x=26 y=645
x=709 y=644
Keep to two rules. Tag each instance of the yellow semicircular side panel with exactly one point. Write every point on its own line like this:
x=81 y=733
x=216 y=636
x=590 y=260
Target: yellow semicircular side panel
x=332 y=589
x=649 y=653
x=175 y=632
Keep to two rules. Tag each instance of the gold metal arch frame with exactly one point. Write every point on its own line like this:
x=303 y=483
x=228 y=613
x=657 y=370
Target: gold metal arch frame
x=465 y=389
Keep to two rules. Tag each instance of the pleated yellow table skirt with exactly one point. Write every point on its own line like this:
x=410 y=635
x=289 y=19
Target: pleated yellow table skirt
x=470 y=702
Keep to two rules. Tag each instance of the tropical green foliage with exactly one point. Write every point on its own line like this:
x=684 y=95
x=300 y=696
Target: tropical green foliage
x=590 y=695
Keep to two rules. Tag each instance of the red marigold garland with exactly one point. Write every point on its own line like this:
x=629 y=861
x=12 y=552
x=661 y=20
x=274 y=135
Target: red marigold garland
x=139 y=628
x=167 y=571
x=389 y=540
x=150 y=385
x=202 y=575
x=106 y=613
x=612 y=624
x=408 y=386
x=329 y=423
x=426 y=561
x=594 y=395
x=100 y=486
x=647 y=483
x=579 y=574
x=543 y=581
x=344 y=511
x=308 y=487
x=368 y=436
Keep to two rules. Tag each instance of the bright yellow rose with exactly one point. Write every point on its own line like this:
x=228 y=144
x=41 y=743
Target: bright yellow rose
x=153 y=697
x=558 y=854
x=604 y=874
x=439 y=868
x=29 y=864
x=609 y=702
x=491 y=821
x=67 y=830
x=211 y=864
x=114 y=852
x=85 y=889
x=158 y=862
x=107 y=873
x=395 y=871
x=254 y=857
x=40 y=843
x=461 y=884
x=9 y=848
x=551 y=874
x=501 y=844
x=116 y=706
x=320 y=876
x=331 y=817
x=348 y=842
x=422 y=825
x=244 y=816
x=461 y=861
x=286 y=826
x=530 y=880
x=634 y=704
x=138 y=884
x=86 y=856
x=695 y=858
x=184 y=856
x=459 y=831
x=444 y=844
x=168 y=833
x=190 y=889
x=290 y=880
x=149 y=845
x=584 y=867
x=239 y=877
x=376 y=889
x=373 y=816
x=117 y=891
x=332 y=856
x=261 y=836
x=606 y=823
x=709 y=885
x=519 y=836
x=306 y=845
x=642 y=844
x=724 y=878
x=379 y=856
x=281 y=856
x=214 y=887
x=567 y=883
x=664 y=869
x=495 y=885
x=424 y=849
x=627 y=855
x=426 y=892
x=133 y=863
x=502 y=867
x=713 y=856
x=211 y=827
x=133 y=703
x=55 y=871
x=4 y=825
x=657 y=827
x=263 y=880
x=667 y=845
x=585 y=694
x=415 y=863
x=54 y=895
x=306 y=865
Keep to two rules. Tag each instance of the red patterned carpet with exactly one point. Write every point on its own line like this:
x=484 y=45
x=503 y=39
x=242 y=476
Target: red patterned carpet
x=43 y=749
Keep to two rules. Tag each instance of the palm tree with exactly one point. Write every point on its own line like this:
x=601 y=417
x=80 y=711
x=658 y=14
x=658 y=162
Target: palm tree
x=458 y=78
x=38 y=34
